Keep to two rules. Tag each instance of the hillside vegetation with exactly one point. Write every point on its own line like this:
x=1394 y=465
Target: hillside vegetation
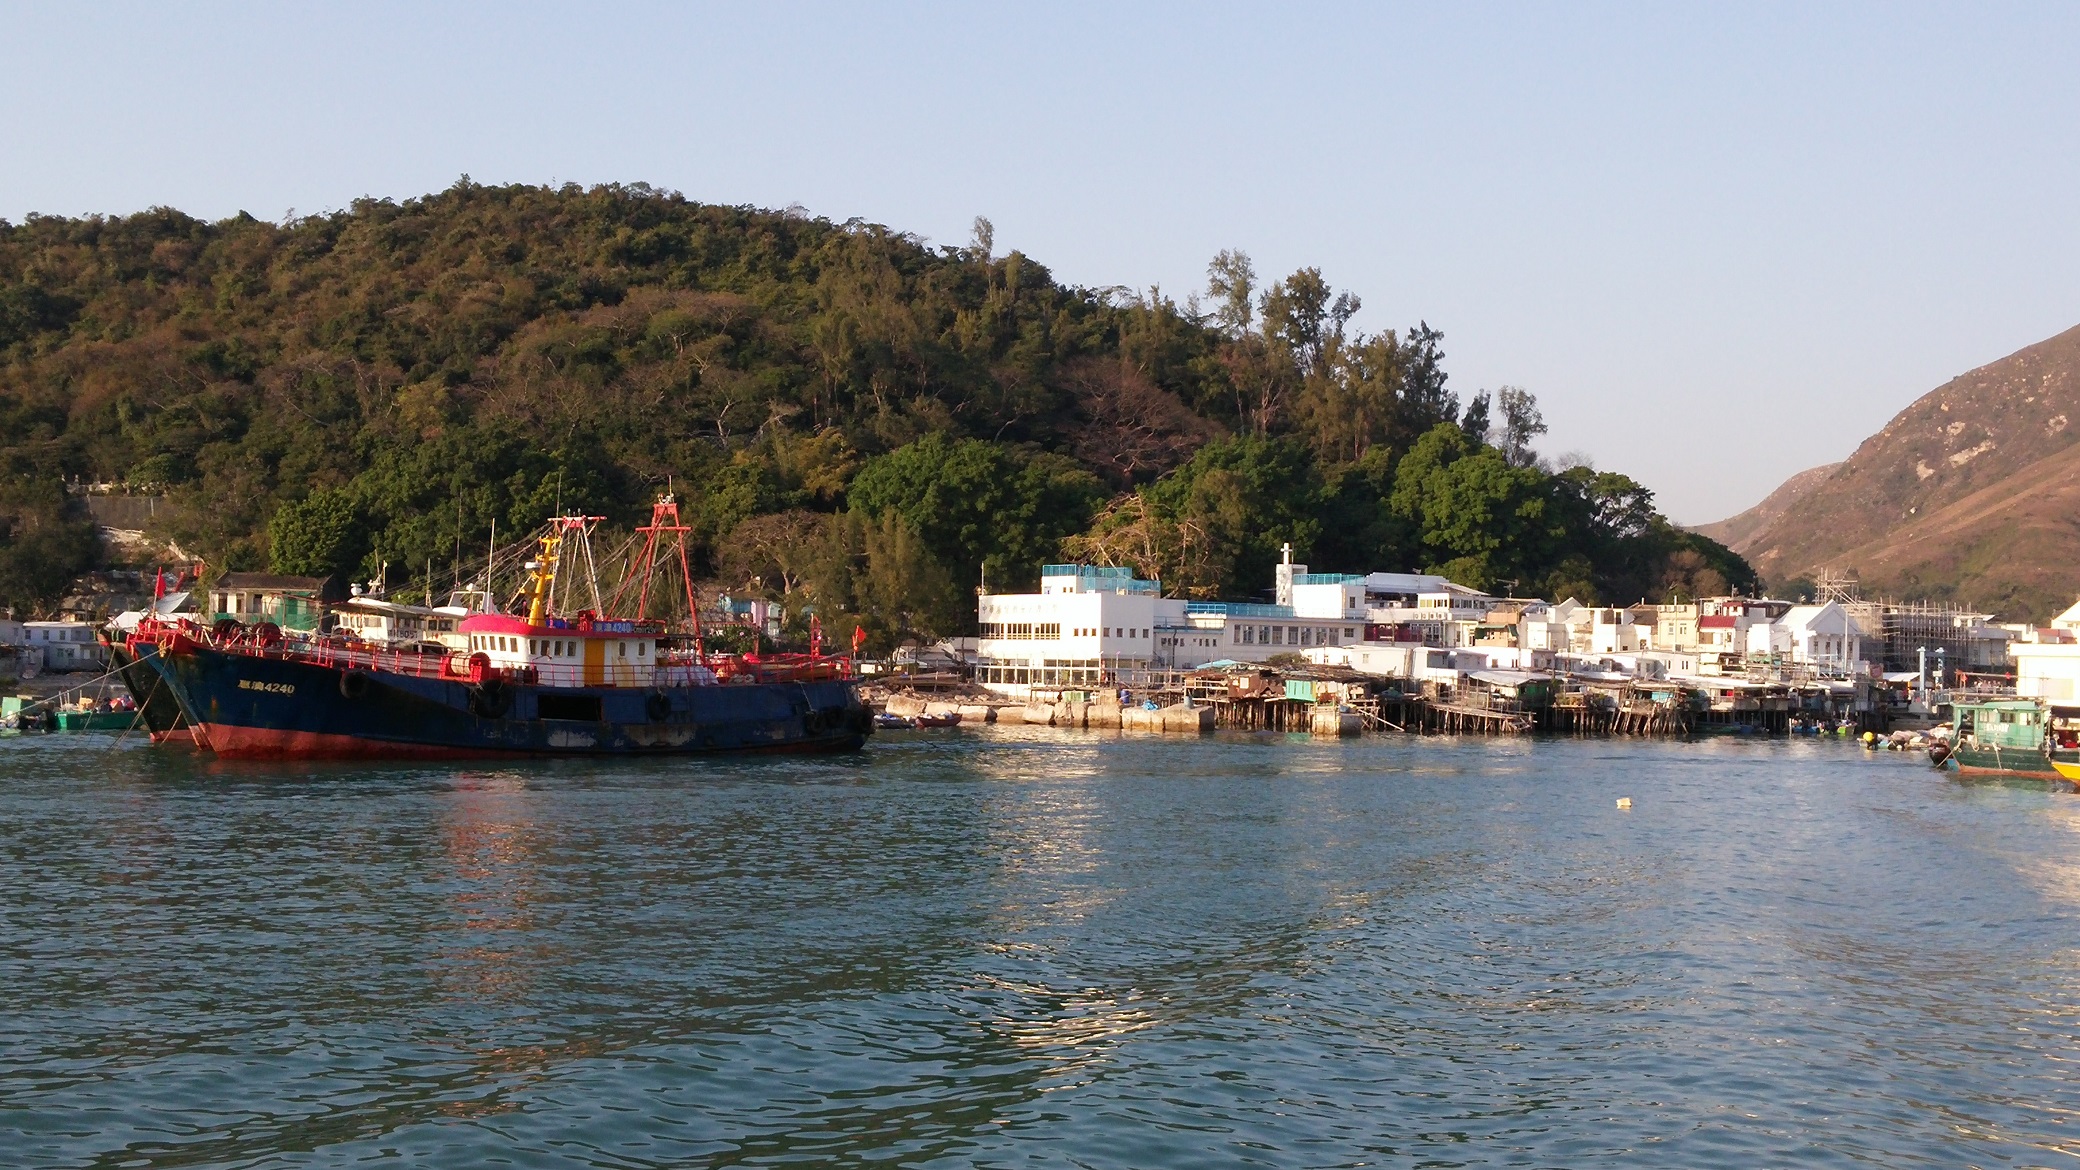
x=1966 y=495
x=854 y=419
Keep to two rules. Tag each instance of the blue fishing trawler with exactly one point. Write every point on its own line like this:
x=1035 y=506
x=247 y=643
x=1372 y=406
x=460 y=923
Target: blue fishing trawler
x=519 y=684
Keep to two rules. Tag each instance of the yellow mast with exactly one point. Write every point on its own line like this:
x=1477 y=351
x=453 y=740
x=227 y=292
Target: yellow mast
x=544 y=578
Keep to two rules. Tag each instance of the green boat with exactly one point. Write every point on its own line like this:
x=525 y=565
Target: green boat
x=2005 y=737
x=95 y=720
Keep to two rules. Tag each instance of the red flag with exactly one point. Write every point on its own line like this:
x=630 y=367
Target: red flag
x=859 y=638
x=158 y=582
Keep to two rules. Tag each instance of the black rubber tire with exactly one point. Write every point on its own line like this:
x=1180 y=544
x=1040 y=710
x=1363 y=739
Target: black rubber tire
x=353 y=684
x=490 y=699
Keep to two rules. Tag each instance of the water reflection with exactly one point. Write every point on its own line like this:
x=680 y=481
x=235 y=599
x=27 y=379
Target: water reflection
x=488 y=836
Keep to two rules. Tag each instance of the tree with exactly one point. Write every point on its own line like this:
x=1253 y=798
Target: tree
x=1470 y=507
x=1297 y=320
x=1618 y=507
x=321 y=535
x=1425 y=401
x=1521 y=423
x=1475 y=421
x=979 y=505
x=1243 y=497
x=1231 y=283
x=905 y=586
x=44 y=542
x=1687 y=575
x=1136 y=429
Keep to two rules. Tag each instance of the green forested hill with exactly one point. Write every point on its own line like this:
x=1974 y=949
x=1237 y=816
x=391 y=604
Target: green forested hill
x=855 y=419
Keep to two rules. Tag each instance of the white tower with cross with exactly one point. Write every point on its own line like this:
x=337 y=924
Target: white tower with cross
x=1288 y=572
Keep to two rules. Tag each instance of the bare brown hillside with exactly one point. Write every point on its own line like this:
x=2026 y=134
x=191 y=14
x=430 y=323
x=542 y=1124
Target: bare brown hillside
x=1958 y=496
x=1738 y=532
x=2012 y=547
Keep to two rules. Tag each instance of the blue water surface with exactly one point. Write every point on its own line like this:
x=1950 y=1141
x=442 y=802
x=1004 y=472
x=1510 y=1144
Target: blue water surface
x=1023 y=947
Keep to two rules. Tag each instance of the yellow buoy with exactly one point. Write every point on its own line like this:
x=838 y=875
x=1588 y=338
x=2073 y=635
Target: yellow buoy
x=1624 y=802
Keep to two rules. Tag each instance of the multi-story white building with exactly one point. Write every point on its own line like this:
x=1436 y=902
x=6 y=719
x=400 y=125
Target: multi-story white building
x=1088 y=623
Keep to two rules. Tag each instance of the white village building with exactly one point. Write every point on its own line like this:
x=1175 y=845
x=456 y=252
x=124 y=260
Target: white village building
x=1821 y=636
x=64 y=645
x=1089 y=622
x=2047 y=663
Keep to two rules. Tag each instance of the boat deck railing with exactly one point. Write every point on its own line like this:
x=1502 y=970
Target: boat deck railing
x=676 y=670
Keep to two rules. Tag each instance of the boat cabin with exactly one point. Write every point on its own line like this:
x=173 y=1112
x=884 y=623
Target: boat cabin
x=2000 y=723
x=390 y=623
x=566 y=653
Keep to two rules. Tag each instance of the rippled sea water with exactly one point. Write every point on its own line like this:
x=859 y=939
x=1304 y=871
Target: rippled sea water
x=1026 y=947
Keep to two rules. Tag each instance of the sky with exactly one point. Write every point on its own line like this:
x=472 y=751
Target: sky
x=1720 y=243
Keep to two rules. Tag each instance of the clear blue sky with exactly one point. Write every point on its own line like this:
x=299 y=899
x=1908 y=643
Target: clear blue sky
x=1721 y=245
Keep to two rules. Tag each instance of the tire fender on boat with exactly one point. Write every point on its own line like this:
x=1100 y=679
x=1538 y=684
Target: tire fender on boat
x=658 y=706
x=353 y=684
x=489 y=699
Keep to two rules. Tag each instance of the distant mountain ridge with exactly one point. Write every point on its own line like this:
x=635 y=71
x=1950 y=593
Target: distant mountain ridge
x=1735 y=532
x=1970 y=494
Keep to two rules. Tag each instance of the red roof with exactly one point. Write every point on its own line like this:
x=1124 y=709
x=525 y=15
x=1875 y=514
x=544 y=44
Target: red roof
x=505 y=623
x=1718 y=622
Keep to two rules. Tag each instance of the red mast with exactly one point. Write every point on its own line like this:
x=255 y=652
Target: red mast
x=664 y=518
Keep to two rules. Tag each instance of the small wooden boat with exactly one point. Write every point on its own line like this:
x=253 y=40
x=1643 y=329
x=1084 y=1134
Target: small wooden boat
x=943 y=719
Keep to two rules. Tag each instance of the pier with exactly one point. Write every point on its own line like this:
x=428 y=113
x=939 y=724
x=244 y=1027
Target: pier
x=1334 y=702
